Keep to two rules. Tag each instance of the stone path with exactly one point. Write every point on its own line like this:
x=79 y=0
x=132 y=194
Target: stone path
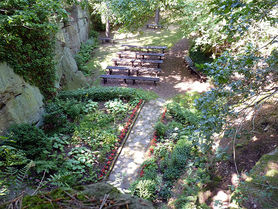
x=134 y=152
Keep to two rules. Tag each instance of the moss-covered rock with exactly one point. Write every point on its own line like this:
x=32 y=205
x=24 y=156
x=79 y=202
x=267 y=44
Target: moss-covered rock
x=261 y=186
x=90 y=196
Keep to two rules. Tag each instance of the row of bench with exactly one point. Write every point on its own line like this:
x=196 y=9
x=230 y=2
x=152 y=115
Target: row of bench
x=137 y=70
x=142 y=54
x=136 y=64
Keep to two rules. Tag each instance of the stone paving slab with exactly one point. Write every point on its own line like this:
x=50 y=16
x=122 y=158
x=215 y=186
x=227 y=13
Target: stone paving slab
x=134 y=152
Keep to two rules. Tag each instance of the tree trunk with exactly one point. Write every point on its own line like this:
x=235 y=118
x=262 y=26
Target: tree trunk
x=157 y=16
x=107 y=30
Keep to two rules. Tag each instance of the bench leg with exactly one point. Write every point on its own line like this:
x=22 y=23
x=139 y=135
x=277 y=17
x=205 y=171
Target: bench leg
x=125 y=80
x=128 y=72
x=104 y=80
x=110 y=71
x=158 y=65
x=133 y=82
x=137 y=72
x=132 y=63
x=155 y=83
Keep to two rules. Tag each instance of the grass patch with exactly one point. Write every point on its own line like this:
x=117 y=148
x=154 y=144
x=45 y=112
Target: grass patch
x=104 y=53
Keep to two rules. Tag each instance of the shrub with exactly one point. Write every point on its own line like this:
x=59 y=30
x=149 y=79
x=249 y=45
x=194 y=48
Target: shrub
x=144 y=188
x=181 y=154
x=182 y=115
x=27 y=40
x=56 y=120
x=106 y=94
x=160 y=129
x=84 y=55
x=30 y=139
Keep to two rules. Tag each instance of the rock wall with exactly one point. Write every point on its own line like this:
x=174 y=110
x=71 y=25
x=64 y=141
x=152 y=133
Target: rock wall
x=69 y=38
x=19 y=101
x=23 y=103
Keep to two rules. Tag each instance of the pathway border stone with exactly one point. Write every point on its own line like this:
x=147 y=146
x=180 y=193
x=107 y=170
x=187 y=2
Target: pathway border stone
x=135 y=150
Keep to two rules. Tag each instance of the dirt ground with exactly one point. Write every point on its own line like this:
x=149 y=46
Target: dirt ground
x=256 y=139
x=175 y=77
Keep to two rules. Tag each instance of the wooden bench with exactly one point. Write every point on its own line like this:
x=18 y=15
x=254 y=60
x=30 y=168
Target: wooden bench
x=140 y=61
x=194 y=70
x=143 y=54
x=133 y=78
x=136 y=54
x=111 y=68
x=106 y=40
x=130 y=54
x=154 y=26
x=145 y=47
x=136 y=69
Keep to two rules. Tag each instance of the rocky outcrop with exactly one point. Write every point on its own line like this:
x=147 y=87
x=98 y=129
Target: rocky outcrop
x=69 y=38
x=99 y=195
x=19 y=101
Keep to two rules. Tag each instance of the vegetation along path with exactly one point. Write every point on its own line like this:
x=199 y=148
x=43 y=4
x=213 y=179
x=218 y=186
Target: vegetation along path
x=134 y=153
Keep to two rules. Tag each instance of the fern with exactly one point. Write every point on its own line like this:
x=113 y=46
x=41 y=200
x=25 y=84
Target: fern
x=22 y=173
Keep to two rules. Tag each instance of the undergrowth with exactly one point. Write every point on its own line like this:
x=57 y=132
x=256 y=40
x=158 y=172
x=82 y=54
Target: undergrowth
x=79 y=136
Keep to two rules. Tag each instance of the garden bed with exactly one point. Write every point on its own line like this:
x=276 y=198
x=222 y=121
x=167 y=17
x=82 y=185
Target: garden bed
x=82 y=135
x=173 y=158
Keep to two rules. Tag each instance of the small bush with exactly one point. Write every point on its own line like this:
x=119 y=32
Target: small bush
x=181 y=154
x=160 y=129
x=144 y=188
x=84 y=55
x=30 y=139
x=182 y=115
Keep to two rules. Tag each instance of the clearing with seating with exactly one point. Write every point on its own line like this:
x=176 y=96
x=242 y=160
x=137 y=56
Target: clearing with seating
x=139 y=61
x=136 y=69
x=139 y=55
x=133 y=78
x=163 y=48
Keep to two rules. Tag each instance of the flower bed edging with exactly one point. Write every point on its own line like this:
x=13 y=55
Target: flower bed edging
x=124 y=136
x=153 y=142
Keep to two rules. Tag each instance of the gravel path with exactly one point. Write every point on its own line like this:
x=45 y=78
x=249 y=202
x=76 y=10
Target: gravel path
x=134 y=152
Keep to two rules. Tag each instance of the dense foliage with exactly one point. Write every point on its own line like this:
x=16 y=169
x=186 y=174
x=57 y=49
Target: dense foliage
x=27 y=30
x=85 y=53
x=78 y=138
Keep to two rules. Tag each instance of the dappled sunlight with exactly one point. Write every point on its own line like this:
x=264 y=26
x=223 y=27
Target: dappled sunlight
x=221 y=197
x=272 y=169
x=235 y=179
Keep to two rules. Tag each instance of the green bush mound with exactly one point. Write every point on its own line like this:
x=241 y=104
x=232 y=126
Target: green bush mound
x=29 y=139
x=106 y=93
